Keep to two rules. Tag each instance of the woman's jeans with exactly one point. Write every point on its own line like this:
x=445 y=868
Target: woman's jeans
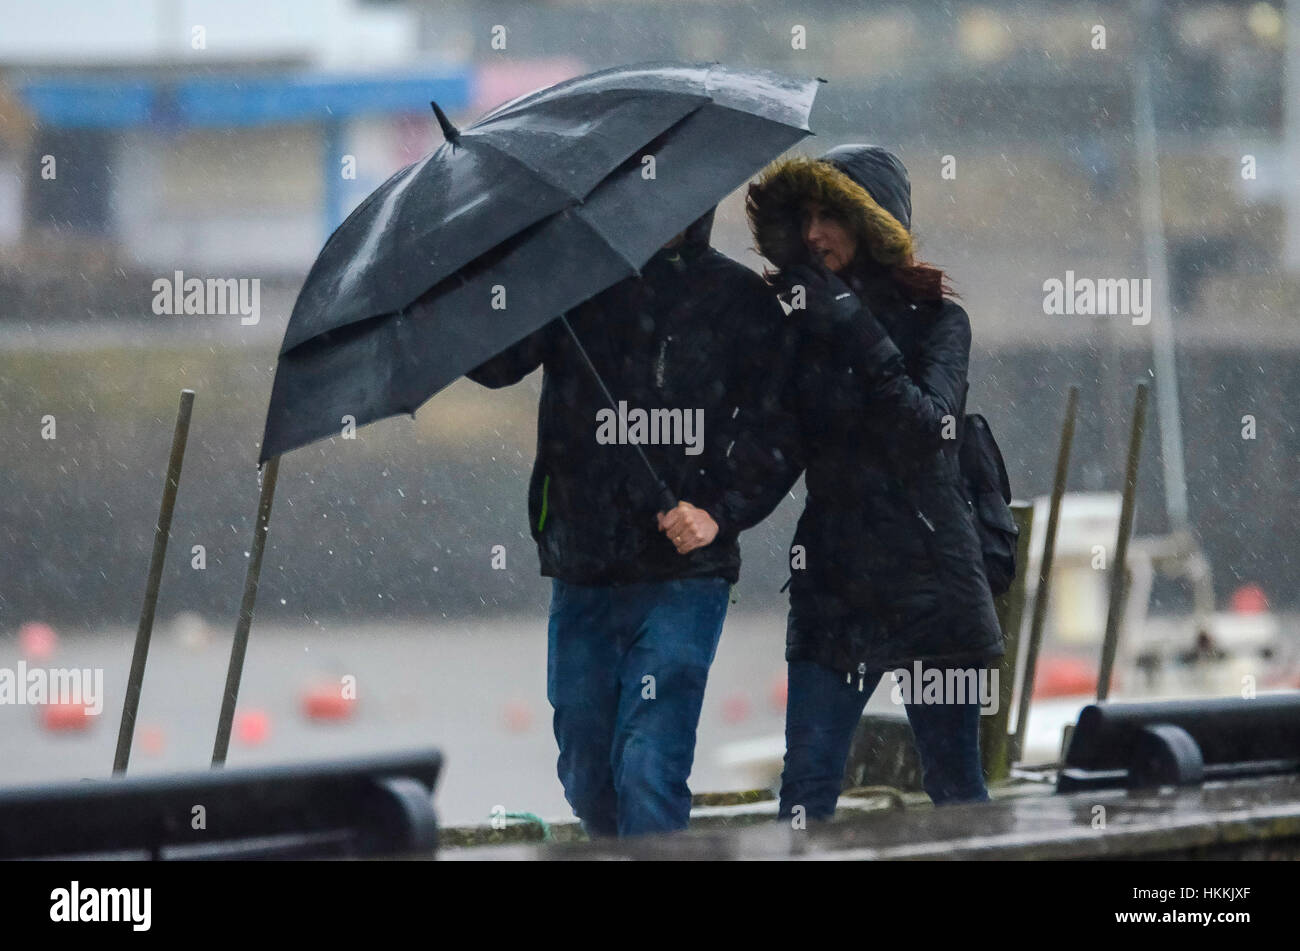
x=822 y=713
x=625 y=673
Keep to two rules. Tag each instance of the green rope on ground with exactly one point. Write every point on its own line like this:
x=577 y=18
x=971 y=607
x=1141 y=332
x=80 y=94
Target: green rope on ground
x=536 y=819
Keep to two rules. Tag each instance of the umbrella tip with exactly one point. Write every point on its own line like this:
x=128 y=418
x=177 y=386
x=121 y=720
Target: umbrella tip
x=449 y=131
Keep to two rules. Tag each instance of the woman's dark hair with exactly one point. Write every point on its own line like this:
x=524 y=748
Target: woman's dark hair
x=920 y=281
x=915 y=280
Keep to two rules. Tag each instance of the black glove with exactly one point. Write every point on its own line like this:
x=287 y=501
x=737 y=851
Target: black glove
x=830 y=304
x=827 y=300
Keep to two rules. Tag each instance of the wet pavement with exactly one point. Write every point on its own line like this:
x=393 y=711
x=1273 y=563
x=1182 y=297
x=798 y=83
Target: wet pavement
x=1245 y=818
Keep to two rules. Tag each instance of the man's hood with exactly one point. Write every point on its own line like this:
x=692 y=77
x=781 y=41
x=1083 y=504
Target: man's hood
x=866 y=185
x=699 y=231
x=667 y=262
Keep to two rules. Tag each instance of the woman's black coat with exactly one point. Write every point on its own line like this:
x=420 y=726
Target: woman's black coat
x=886 y=566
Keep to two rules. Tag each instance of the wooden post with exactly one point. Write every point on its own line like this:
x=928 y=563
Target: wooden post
x=245 y=622
x=144 y=632
x=994 y=741
x=1044 y=576
x=1118 y=573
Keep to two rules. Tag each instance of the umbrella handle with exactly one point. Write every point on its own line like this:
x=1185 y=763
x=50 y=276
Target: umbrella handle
x=667 y=500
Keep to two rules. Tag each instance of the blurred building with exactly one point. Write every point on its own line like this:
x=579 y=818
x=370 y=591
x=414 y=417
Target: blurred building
x=212 y=136
x=176 y=136
x=236 y=135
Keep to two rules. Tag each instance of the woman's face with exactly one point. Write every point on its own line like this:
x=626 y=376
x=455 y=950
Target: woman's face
x=827 y=238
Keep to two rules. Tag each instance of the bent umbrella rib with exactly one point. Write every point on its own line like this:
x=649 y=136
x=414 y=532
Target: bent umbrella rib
x=467 y=136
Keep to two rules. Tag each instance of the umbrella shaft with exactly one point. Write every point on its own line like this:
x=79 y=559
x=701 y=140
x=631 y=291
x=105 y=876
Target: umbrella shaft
x=666 y=497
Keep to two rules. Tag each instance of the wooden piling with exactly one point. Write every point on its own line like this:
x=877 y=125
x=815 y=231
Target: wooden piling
x=1119 y=573
x=1043 y=590
x=245 y=622
x=161 y=535
x=994 y=740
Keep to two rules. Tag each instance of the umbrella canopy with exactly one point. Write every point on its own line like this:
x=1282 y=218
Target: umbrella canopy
x=538 y=206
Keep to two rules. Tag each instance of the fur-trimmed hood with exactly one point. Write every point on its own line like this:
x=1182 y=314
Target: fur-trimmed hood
x=866 y=185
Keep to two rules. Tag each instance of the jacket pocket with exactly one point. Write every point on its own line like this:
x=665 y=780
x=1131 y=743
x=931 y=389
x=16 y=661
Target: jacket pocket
x=540 y=509
x=920 y=510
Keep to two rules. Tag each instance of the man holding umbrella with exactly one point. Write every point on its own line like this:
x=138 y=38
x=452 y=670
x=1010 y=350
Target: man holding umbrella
x=564 y=203
x=639 y=594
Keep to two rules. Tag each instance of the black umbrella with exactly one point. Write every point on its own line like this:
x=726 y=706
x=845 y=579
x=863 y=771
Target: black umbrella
x=539 y=205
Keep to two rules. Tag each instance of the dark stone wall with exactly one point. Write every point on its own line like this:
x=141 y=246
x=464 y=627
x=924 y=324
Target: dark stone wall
x=399 y=526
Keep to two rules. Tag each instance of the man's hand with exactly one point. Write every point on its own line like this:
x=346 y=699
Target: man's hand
x=688 y=527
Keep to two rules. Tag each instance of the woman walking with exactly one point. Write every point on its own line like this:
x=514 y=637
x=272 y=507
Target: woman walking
x=886 y=563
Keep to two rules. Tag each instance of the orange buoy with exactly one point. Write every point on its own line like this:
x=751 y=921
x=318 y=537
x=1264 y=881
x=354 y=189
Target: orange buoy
x=252 y=727
x=517 y=716
x=327 y=702
x=778 y=693
x=37 y=640
x=1249 y=599
x=1064 y=677
x=62 y=717
x=735 y=708
x=151 y=740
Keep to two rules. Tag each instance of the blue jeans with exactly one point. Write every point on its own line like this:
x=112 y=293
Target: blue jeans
x=625 y=672
x=822 y=712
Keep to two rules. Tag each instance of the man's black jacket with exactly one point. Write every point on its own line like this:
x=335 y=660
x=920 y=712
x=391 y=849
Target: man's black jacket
x=698 y=331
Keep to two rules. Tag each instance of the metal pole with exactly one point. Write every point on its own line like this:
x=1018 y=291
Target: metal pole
x=240 y=646
x=1157 y=262
x=1045 y=573
x=161 y=534
x=1118 y=575
x=1290 y=157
